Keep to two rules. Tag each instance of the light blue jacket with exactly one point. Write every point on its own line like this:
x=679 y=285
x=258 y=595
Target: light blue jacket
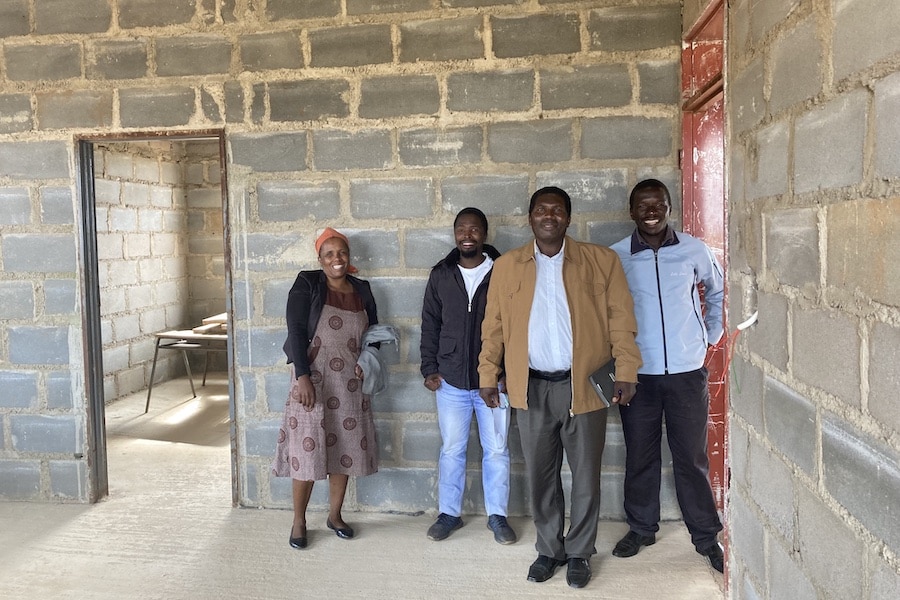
x=673 y=332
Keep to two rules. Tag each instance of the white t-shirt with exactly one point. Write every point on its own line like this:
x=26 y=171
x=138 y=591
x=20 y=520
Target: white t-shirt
x=474 y=276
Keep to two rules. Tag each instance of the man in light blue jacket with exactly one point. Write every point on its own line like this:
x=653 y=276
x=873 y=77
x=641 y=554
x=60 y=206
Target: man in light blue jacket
x=664 y=269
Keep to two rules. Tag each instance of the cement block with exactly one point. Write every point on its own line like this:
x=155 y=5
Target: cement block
x=608 y=233
x=15 y=206
x=422 y=441
x=425 y=247
x=277 y=389
x=739 y=451
x=486 y=91
x=746 y=392
x=46 y=434
x=35 y=62
x=831 y=554
x=364 y=7
x=856 y=24
x=48 y=253
x=261 y=437
x=770 y=178
x=398 y=297
x=308 y=100
x=260 y=347
x=60 y=296
x=585 y=86
x=398 y=489
x=150 y=13
x=270 y=152
x=648 y=137
x=69 y=480
x=787 y=576
x=338 y=150
x=771 y=487
x=192 y=55
x=884 y=380
x=863 y=475
x=825 y=353
x=885 y=581
x=295 y=200
x=792 y=249
x=372 y=249
x=57 y=207
x=234 y=102
x=350 y=46
x=442 y=39
x=747 y=535
x=34 y=160
x=80 y=108
x=71 y=16
x=273 y=50
x=430 y=147
x=628 y=29
x=797 y=66
x=399 y=96
x=536 y=34
x=791 y=424
x=405 y=392
x=764 y=15
x=506 y=238
x=532 y=142
x=829 y=143
x=861 y=256
x=887 y=126
x=266 y=251
x=392 y=198
x=59 y=391
x=20 y=389
x=767 y=338
x=279 y=10
x=117 y=59
x=156 y=107
x=14 y=18
x=659 y=82
x=20 y=479
x=16 y=300
x=508 y=193
x=16 y=112
x=603 y=190
x=747 y=102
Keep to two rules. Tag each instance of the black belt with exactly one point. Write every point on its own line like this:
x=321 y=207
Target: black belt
x=552 y=376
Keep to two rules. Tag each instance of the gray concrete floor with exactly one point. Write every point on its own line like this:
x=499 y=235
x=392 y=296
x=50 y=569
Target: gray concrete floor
x=168 y=531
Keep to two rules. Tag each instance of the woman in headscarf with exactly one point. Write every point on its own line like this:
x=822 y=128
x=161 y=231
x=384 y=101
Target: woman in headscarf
x=328 y=429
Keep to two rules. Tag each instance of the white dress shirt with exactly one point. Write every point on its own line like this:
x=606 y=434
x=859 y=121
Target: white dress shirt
x=550 y=323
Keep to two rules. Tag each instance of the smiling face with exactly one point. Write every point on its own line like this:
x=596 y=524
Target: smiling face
x=549 y=221
x=334 y=257
x=650 y=212
x=470 y=235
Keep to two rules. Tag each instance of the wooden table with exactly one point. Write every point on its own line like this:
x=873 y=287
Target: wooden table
x=184 y=340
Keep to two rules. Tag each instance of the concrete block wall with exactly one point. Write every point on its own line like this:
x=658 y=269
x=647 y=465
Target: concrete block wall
x=381 y=119
x=814 y=210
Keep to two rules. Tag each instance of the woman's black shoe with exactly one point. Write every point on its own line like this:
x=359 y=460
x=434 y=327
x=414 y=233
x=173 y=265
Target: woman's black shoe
x=298 y=542
x=344 y=533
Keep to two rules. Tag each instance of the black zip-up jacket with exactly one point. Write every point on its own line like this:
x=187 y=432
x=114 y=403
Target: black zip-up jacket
x=451 y=328
x=304 y=307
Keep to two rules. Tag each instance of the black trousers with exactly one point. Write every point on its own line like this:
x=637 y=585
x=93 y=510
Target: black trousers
x=683 y=399
x=547 y=429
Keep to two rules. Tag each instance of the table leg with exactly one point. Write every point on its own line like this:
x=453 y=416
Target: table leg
x=152 y=373
x=187 y=365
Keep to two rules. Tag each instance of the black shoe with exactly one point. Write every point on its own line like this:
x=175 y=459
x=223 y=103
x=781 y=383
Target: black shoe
x=579 y=573
x=345 y=533
x=715 y=555
x=443 y=527
x=631 y=544
x=543 y=568
x=503 y=533
x=298 y=542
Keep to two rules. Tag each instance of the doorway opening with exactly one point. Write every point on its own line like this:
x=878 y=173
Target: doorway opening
x=155 y=261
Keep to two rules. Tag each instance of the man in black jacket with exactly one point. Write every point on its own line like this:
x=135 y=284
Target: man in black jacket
x=451 y=341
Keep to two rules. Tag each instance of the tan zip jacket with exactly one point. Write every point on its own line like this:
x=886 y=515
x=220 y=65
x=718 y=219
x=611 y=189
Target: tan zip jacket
x=603 y=323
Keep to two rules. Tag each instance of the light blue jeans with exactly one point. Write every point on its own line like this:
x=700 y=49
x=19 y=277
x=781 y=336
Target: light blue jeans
x=454 y=408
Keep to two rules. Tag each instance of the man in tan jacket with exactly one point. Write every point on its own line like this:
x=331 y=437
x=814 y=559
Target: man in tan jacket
x=557 y=310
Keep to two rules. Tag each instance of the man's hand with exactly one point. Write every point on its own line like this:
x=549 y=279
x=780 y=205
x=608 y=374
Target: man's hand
x=307 y=395
x=433 y=381
x=623 y=392
x=491 y=396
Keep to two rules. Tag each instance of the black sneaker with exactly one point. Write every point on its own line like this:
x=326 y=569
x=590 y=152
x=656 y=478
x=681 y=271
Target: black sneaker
x=715 y=556
x=503 y=533
x=443 y=527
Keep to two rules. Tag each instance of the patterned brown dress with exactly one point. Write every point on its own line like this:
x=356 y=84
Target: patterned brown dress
x=337 y=434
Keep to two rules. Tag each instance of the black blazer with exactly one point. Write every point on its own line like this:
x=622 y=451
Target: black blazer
x=304 y=307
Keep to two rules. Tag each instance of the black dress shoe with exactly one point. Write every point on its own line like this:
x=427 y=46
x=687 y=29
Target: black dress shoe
x=298 y=542
x=345 y=533
x=715 y=555
x=543 y=568
x=579 y=572
x=631 y=544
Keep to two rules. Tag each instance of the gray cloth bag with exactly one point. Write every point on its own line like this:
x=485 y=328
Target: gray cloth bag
x=375 y=373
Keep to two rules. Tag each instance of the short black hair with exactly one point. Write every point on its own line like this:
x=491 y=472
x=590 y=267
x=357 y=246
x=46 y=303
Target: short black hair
x=471 y=210
x=550 y=189
x=649 y=184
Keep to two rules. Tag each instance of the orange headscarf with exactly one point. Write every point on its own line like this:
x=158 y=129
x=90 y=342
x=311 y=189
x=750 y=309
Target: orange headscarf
x=334 y=233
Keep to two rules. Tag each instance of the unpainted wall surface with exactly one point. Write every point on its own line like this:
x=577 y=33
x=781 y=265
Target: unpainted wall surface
x=382 y=119
x=814 y=211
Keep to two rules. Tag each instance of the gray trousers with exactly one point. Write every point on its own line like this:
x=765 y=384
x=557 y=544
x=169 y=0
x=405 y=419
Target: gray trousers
x=547 y=430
